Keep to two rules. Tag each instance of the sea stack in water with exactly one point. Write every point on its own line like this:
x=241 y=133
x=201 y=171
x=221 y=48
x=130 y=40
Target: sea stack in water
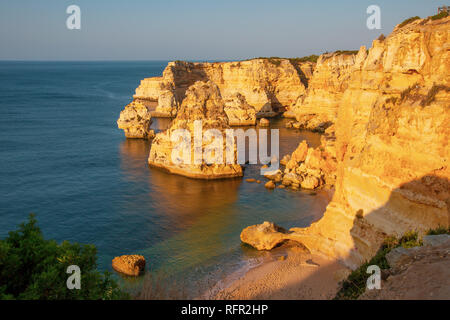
x=135 y=121
x=131 y=265
x=202 y=109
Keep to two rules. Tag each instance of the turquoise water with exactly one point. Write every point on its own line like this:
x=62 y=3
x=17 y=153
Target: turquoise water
x=63 y=158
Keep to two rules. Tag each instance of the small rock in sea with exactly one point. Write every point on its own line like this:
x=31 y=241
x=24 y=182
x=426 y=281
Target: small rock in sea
x=131 y=265
x=310 y=182
x=270 y=185
x=250 y=180
x=285 y=159
x=258 y=181
x=281 y=186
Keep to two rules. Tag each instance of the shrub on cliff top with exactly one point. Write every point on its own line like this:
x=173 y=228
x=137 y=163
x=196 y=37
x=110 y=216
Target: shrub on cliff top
x=438 y=230
x=407 y=21
x=346 y=52
x=34 y=268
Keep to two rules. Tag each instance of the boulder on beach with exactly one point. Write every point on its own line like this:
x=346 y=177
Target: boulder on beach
x=131 y=265
x=270 y=185
x=264 y=236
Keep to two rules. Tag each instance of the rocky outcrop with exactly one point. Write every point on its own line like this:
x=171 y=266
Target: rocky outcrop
x=265 y=85
x=317 y=108
x=135 y=121
x=417 y=273
x=239 y=112
x=310 y=168
x=392 y=152
x=131 y=265
x=202 y=109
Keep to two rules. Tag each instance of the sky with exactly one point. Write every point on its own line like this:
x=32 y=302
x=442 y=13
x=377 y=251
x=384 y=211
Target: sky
x=194 y=30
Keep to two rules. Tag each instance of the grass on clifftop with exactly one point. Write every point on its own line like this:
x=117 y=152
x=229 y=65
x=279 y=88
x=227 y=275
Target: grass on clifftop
x=407 y=21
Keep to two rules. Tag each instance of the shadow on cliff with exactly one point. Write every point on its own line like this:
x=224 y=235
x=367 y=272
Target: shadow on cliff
x=417 y=205
x=182 y=83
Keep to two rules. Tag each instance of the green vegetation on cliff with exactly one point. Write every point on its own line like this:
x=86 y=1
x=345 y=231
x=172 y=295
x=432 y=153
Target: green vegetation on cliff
x=407 y=21
x=355 y=284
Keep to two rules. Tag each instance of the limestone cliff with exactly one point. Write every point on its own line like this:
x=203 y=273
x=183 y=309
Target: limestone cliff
x=392 y=151
x=318 y=106
x=266 y=85
x=204 y=103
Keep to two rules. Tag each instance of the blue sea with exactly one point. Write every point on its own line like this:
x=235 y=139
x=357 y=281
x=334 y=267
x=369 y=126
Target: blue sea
x=63 y=158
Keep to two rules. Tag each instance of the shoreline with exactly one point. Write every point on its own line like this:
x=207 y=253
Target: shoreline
x=288 y=272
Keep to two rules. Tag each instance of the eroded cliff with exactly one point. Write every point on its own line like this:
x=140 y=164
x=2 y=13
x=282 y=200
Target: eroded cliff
x=196 y=154
x=267 y=85
x=392 y=152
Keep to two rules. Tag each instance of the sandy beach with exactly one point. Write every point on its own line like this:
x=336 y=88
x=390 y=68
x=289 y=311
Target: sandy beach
x=288 y=273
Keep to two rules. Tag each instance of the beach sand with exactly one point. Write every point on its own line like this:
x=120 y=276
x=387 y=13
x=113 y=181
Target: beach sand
x=289 y=272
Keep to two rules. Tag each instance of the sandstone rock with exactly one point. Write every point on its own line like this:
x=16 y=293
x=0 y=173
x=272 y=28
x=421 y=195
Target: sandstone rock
x=310 y=182
x=275 y=176
x=264 y=236
x=167 y=104
x=436 y=240
x=263 y=122
x=202 y=102
x=131 y=265
x=285 y=159
x=239 y=112
x=250 y=180
x=135 y=120
x=400 y=256
x=390 y=142
x=270 y=185
x=268 y=87
x=281 y=186
x=318 y=107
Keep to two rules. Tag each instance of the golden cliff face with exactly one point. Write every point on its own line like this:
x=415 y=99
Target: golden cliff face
x=135 y=121
x=325 y=88
x=391 y=147
x=392 y=135
x=267 y=85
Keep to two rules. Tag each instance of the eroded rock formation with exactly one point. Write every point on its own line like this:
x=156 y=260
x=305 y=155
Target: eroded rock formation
x=265 y=85
x=317 y=108
x=135 y=120
x=203 y=103
x=392 y=152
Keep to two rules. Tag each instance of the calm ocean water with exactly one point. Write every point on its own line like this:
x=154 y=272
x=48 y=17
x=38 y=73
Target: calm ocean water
x=63 y=158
